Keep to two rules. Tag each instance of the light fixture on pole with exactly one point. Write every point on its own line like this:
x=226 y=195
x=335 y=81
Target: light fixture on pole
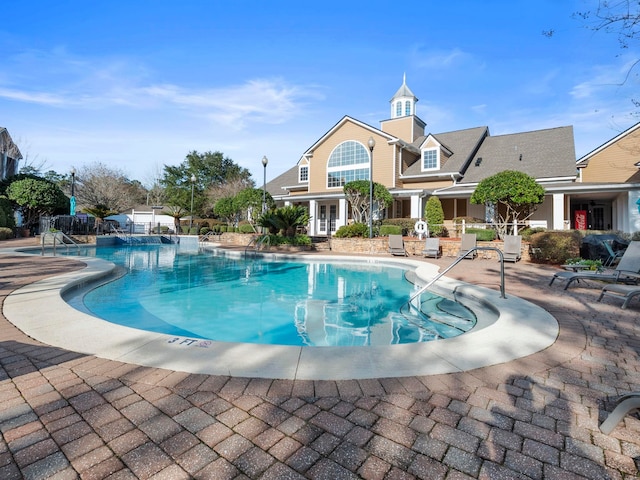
x=193 y=183
x=371 y=143
x=265 y=160
x=72 y=200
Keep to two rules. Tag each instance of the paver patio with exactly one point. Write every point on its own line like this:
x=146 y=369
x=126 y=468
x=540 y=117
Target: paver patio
x=68 y=415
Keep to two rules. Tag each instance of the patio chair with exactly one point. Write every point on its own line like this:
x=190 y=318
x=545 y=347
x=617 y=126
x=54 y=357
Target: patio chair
x=468 y=242
x=431 y=247
x=512 y=248
x=396 y=245
x=626 y=271
x=621 y=291
x=626 y=404
x=614 y=256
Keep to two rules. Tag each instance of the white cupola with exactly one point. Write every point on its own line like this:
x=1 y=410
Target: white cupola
x=403 y=103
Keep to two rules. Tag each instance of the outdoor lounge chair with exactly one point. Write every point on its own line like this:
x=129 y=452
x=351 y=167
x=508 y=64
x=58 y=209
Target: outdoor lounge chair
x=431 y=247
x=396 y=245
x=613 y=255
x=627 y=270
x=626 y=404
x=468 y=242
x=621 y=291
x=512 y=248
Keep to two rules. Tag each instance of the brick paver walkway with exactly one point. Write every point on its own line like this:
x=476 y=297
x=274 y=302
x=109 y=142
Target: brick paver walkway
x=65 y=415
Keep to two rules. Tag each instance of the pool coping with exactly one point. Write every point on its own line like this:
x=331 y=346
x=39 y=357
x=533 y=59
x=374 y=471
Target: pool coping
x=521 y=329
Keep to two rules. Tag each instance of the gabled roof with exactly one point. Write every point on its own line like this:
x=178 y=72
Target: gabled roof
x=582 y=162
x=345 y=119
x=7 y=146
x=462 y=143
x=287 y=179
x=542 y=154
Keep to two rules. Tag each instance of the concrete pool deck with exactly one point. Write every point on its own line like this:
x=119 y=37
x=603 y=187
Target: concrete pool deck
x=520 y=329
x=71 y=415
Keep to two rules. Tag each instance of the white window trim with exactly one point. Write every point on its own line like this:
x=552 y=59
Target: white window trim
x=355 y=166
x=437 y=167
x=300 y=174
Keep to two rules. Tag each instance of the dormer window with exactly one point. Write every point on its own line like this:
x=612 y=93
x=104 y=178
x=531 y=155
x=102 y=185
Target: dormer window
x=431 y=159
x=303 y=174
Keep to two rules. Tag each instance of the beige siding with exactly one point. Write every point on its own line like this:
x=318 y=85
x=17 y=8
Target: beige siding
x=382 y=157
x=406 y=128
x=430 y=185
x=616 y=162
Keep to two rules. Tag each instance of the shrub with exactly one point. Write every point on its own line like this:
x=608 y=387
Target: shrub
x=483 y=234
x=406 y=224
x=386 y=230
x=555 y=247
x=435 y=215
x=204 y=230
x=5 y=233
x=353 y=230
x=298 y=239
x=246 y=228
x=528 y=231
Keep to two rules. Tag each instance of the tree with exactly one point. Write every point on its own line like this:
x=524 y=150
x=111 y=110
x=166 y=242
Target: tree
x=357 y=193
x=35 y=197
x=176 y=213
x=229 y=188
x=249 y=201
x=435 y=215
x=96 y=184
x=515 y=194
x=227 y=209
x=209 y=169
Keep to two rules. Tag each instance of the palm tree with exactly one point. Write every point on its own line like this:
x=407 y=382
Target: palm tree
x=177 y=213
x=285 y=220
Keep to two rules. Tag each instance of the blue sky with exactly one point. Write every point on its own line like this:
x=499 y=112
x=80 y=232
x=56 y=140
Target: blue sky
x=139 y=84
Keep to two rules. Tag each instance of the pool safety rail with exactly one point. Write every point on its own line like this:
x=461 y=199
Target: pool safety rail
x=258 y=243
x=56 y=238
x=414 y=302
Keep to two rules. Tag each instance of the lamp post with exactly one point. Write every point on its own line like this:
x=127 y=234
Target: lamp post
x=371 y=143
x=72 y=200
x=193 y=182
x=265 y=160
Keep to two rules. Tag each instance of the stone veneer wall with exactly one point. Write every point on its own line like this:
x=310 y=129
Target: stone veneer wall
x=380 y=245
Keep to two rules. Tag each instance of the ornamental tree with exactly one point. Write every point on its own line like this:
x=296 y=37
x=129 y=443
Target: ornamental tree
x=515 y=194
x=35 y=197
x=435 y=215
x=357 y=193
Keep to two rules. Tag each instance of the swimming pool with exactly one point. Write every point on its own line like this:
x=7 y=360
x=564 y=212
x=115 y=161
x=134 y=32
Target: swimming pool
x=507 y=329
x=211 y=296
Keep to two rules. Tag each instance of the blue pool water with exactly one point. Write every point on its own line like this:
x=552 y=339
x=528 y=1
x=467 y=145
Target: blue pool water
x=208 y=295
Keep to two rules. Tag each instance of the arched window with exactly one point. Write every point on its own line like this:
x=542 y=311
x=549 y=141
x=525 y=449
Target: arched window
x=399 y=108
x=407 y=108
x=349 y=161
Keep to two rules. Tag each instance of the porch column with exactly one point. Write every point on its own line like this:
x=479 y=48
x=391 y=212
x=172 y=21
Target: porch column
x=558 y=211
x=313 y=223
x=342 y=213
x=416 y=206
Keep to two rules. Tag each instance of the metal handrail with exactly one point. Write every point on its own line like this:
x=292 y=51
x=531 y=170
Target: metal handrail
x=55 y=237
x=458 y=260
x=259 y=241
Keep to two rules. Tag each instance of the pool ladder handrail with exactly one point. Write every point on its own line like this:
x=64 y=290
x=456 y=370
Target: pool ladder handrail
x=455 y=262
x=418 y=309
x=259 y=242
x=56 y=236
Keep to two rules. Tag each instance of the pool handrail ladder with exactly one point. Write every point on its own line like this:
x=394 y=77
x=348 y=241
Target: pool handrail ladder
x=257 y=243
x=57 y=236
x=414 y=303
